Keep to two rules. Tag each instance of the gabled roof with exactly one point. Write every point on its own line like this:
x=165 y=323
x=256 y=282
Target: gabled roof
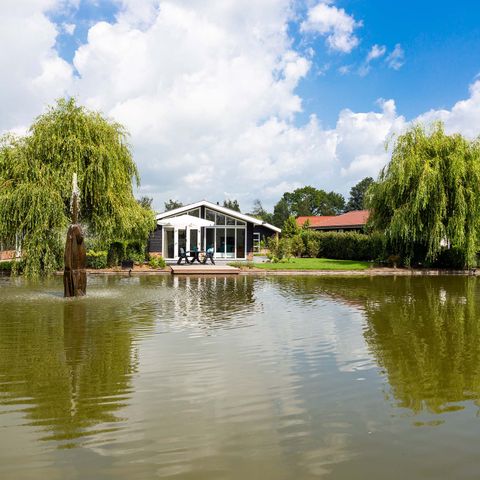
x=218 y=208
x=355 y=218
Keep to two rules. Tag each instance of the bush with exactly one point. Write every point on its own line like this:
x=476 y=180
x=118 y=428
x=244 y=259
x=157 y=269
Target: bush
x=6 y=267
x=298 y=247
x=157 y=262
x=279 y=249
x=96 y=260
x=451 y=258
x=312 y=248
x=344 y=245
x=116 y=253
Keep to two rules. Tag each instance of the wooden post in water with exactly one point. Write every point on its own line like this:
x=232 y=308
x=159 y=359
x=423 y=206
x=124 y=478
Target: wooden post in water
x=74 y=274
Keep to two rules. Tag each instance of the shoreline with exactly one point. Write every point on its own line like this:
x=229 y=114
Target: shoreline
x=261 y=272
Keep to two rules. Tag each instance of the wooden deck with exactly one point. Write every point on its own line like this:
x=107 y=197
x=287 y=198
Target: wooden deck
x=204 y=270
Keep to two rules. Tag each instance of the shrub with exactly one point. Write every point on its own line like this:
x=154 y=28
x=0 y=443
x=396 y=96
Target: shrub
x=279 y=249
x=451 y=258
x=312 y=248
x=6 y=267
x=96 y=260
x=116 y=253
x=348 y=245
x=298 y=247
x=157 y=262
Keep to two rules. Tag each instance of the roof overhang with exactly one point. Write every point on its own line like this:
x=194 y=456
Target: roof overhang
x=218 y=208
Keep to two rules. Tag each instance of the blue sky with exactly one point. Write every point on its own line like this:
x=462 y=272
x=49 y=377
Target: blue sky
x=441 y=46
x=441 y=41
x=245 y=99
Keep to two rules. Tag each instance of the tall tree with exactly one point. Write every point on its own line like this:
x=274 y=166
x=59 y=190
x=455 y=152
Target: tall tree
x=357 y=195
x=232 y=205
x=429 y=193
x=260 y=212
x=36 y=184
x=307 y=201
x=145 y=202
x=172 y=205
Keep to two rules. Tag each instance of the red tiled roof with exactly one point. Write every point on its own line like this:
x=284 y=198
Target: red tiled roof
x=349 y=219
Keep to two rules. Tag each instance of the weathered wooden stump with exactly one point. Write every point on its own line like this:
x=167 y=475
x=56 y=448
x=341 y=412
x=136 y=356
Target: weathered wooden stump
x=74 y=275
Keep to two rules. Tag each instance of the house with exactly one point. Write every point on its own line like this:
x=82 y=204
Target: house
x=353 y=221
x=232 y=235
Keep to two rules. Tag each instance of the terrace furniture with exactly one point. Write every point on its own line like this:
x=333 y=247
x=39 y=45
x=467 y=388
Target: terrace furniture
x=195 y=255
x=209 y=255
x=182 y=256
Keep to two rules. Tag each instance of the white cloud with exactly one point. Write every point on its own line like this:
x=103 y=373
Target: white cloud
x=396 y=58
x=464 y=117
x=335 y=24
x=375 y=52
x=208 y=93
x=69 y=28
x=35 y=74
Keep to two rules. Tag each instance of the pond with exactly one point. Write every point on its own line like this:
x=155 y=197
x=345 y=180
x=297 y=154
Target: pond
x=236 y=378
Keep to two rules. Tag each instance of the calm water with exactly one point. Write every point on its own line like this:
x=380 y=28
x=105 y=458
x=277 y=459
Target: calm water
x=241 y=378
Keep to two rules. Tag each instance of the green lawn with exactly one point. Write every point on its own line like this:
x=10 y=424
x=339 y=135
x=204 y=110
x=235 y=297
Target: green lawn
x=315 y=264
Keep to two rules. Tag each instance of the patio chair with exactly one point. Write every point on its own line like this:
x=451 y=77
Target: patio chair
x=182 y=255
x=209 y=255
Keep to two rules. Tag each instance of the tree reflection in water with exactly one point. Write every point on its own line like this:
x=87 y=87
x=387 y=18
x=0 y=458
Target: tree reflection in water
x=423 y=331
x=71 y=366
x=67 y=365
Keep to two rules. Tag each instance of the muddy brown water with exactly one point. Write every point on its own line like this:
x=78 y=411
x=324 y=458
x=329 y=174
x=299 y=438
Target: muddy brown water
x=235 y=378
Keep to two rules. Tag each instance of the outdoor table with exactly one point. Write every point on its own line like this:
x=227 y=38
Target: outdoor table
x=195 y=255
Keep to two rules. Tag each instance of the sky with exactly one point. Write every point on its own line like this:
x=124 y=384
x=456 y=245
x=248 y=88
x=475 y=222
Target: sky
x=237 y=99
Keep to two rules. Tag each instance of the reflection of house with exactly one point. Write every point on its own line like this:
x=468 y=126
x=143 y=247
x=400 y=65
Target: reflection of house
x=350 y=221
x=232 y=234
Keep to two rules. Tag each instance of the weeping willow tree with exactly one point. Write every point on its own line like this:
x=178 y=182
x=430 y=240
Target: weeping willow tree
x=429 y=194
x=36 y=184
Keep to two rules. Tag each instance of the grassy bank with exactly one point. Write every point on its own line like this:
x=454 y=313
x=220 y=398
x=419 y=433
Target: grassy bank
x=315 y=264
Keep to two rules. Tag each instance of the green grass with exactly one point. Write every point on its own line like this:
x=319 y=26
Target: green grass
x=315 y=264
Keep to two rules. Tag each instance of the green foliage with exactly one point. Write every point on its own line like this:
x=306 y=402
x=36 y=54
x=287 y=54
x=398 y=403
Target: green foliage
x=242 y=265
x=157 y=262
x=6 y=266
x=312 y=247
x=307 y=201
x=290 y=227
x=259 y=212
x=429 y=193
x=232 y=205
x=350 y=246
x=172 y=205
x=96 y=260
x=36 y=184
x=116 y=253
x=298 y=246
x=357 y=195
x=279 y=248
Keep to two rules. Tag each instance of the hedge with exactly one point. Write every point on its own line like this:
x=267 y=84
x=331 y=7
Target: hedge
x=96 y=260
x=343 y=246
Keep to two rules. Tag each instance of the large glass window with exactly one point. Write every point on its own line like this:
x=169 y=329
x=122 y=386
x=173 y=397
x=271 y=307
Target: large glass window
x=193 y=239
x=220 y=219
x=209 y=238
x=182 y=240
x=168 y=246
x=194 y=213
x=240 y=243
x=230 y=243
x=230 y=221
x=210 y=215
x=220 y=242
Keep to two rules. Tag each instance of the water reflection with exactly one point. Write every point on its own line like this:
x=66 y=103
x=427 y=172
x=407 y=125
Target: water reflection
x=424 y=333
x=68 y=369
